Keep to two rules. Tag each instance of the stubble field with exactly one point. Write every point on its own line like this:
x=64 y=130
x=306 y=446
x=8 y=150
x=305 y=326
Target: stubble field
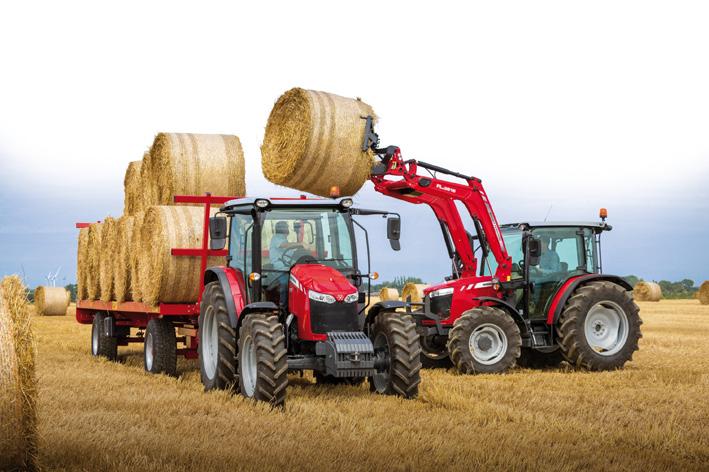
x=653 y=415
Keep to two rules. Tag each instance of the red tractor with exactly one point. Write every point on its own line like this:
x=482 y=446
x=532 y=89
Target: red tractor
x=528 y=294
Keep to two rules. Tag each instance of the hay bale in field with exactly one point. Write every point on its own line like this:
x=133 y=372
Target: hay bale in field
x=82 y=255
x=163 y=277
x=133 y=189
x=121 y=261
x=647 y=292
x=193 y=164
x=313 y=141
x=415 y=291
x=150 y=191
x=134 y=257
x=703 y=293
x=18 y=382
x=387 y=294
x=93 y=262
x=51 y=300
x=107 y=255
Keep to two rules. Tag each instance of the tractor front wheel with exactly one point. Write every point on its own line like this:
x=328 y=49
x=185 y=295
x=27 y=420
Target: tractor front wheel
x=396 y=341
x=599 y=328
x=263 y=363
x=484 y=340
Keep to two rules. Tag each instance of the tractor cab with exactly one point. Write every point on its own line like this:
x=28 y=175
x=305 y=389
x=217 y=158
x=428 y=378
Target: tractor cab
x=544 y=256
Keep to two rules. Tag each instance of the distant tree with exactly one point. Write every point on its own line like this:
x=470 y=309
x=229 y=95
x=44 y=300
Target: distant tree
x=72 y=289
x=398 y=283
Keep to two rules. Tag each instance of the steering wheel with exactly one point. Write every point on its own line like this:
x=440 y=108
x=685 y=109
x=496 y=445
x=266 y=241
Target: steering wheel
x=289 y=256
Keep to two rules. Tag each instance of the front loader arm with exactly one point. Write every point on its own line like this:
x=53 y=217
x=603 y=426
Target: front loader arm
x=399 y=179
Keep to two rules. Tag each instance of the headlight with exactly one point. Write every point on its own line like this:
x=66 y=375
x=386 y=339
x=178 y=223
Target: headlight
x=346 y=202
x=321 y=297
x=261 y=203
x=352 y=297
x=441 y=292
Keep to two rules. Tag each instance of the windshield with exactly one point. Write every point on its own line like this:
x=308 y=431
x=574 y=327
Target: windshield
x=292 y=236
x=513 y=242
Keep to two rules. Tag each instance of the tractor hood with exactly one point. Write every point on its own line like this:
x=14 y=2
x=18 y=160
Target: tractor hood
x=323 y=279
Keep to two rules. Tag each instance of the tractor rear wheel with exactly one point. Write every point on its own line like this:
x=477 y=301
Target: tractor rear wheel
x=535 y=359
x=263 y=363
x=395 y=339
x=599 y=328
x=160 y=350
x=217 y=341
x=484 y=340
x=102 y=345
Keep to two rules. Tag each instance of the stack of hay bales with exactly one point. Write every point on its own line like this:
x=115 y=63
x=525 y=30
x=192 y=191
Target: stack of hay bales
x=50 y=301
x=313 y=142
x=703 y=293
x=647 y=292
x=388 y=294
x=18 y=382
x=113 y=256
x=415 y=291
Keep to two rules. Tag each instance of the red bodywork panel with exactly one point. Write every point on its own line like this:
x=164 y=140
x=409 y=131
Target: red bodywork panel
x=465 y=290
x=319 y=278
x=237 y=286
x=560 y=295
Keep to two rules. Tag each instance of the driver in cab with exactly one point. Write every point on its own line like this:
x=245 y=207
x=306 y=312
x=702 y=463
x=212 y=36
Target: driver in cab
x=549 y=261
x=276 y=251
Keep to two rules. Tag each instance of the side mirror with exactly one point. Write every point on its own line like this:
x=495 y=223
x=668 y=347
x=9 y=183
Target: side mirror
x=217 y=232
x=535 y=250
x=394 y=232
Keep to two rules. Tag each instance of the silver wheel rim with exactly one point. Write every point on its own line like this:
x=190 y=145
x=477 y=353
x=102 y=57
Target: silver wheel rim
x=149 y=352
x=94 y=340
x=210 y=344
x=606 y=328
x=488 y=344
x=248 y=366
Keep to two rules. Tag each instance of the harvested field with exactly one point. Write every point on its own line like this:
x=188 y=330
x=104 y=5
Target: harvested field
x=98 y=415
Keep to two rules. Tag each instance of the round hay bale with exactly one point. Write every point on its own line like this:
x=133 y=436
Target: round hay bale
x=82 y=257
x=121 y=261
x=107 y=255
x=51 y=300
x=388 y=294
x=703 y=293
x=149 y=192
x=313 y=141
x=134 y=257
x=647 y=292
x=163 y=277
x=93 y=286
x=133 y=189
x=415 y=291
x=193 y=164
x=18 y=382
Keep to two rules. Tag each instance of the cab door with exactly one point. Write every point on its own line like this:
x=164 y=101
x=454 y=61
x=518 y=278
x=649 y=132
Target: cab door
x=241 y=249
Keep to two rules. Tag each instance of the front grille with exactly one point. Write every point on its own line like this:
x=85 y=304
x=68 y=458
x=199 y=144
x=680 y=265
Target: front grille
x=441 y=306
x=338 y=316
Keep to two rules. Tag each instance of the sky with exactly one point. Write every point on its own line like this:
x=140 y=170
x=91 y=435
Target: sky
x=559 y=107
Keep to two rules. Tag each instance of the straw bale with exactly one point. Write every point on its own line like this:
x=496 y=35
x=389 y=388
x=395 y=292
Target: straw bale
x=415 y=291
x=388 y=294
x=133 y=189
x=121 y=261
x=81 y=264
x=93 y=262
x=51 y=300
x=313 y=141
x=703 y=293
x=134 y=257
x=107 y=255
x=647 y=292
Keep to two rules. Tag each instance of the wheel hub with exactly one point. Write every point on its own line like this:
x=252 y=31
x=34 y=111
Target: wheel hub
x=606 y=328
x=488 y=344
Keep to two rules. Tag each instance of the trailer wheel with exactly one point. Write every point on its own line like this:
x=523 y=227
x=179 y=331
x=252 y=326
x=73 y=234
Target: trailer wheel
x=484 y=340
x=217 y=341
x=263 y=363
x=322 y=379
x=599 y=328
x=160 y=350
x=395 y=340
x=535 y=359
x=102 y=345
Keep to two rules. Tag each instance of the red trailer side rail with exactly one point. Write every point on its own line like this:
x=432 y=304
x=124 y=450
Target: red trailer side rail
x=184 y=315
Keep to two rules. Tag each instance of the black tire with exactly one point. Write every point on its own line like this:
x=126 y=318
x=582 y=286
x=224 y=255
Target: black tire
x=160 y=349
x=434 y=356
x=487 y=324
x=535 y=359
x=571 y=326
x=394 y=334
x=102 y=345
x=262 y=359
x=322 y=379
x=217 y=357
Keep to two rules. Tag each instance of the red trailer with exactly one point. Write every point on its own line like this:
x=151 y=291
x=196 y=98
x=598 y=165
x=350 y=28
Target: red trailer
x=112 y=320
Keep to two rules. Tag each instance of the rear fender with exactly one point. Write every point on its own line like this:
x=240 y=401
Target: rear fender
x=232 y=283
x=564 y=293
x=509 y=308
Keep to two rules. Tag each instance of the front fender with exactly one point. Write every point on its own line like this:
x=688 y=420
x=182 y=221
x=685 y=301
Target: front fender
x=379 y=307
x=509 y=308
x=563 y=294
x=232 y=284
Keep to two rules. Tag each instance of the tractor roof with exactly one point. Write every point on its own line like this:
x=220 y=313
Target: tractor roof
x=597 y=226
